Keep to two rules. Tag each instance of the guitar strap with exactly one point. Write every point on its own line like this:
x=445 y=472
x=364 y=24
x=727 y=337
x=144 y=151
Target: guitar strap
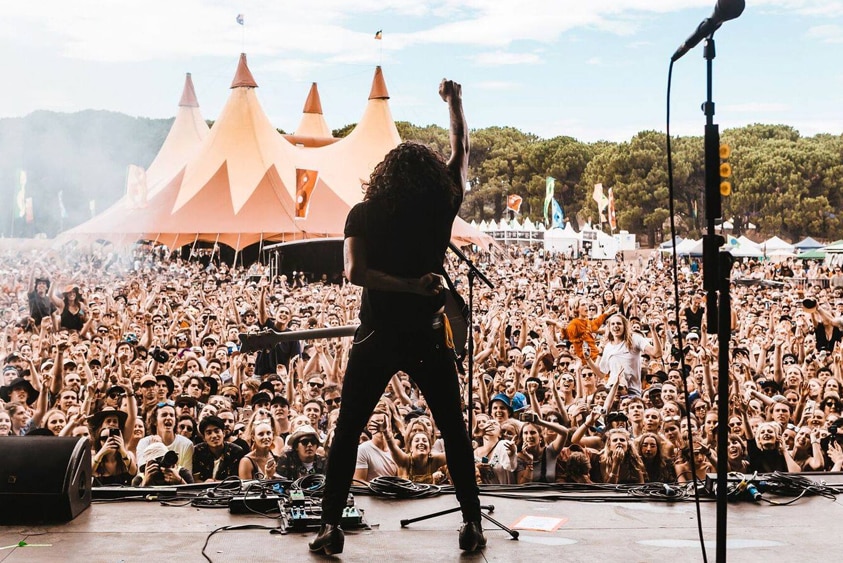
x=448 y=332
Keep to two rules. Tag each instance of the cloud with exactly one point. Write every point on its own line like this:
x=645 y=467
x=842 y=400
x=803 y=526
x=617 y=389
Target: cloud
x=830 y=33
x=594 y=61
x=497 y=58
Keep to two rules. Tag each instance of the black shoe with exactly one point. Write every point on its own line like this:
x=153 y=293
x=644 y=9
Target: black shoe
x=329 y=540
x=471 y=536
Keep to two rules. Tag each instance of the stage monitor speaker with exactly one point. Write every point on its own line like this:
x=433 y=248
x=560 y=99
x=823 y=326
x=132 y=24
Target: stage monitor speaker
x=44 y=478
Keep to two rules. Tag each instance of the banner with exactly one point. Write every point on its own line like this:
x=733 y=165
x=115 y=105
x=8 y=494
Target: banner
x=30 y=215
x=513 y=202
x=20 y=199
x=549 y=186
x=600 y=197
x=305 y=183
x=613 y=221
x=558 y=215
x=136 y=186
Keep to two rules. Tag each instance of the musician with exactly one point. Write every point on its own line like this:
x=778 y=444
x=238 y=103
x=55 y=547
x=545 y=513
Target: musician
x=395 y=242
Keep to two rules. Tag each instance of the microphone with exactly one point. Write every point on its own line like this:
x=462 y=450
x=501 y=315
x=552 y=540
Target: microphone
x=725 y=10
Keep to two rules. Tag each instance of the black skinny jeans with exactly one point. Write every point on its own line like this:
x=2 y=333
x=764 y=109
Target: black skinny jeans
x=374 y=358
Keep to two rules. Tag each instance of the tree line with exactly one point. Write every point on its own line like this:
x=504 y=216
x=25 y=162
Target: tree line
x=783 y=183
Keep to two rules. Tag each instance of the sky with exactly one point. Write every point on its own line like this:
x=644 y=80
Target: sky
x=592 y=69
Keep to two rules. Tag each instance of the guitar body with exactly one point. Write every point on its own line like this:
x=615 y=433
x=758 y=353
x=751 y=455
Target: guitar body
x=457 y=312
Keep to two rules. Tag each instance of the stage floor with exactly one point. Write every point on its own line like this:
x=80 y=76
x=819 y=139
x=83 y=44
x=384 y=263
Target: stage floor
x=607 y=531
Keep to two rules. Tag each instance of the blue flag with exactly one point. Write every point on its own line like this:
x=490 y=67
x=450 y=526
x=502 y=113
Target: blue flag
x=558 y=215
x=240 y=19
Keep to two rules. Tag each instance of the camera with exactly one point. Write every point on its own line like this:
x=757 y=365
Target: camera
x=168 y=460
x=114 y=432
x=528 y=416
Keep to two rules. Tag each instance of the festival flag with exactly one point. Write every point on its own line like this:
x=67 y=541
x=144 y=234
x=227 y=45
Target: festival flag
x=62 y=208
x=305 y=182
x=92 y=205
x=613 y=221
x=136 y=186
x=549 y=185
x=241 y=19
x=558 y=215
x=20 y=200
x=600 y=197
x=513 y=202
x=694 y=209
x=30 y=215
x=379 y=34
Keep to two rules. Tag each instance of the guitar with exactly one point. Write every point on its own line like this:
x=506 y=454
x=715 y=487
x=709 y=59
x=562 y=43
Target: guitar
x=268 y=338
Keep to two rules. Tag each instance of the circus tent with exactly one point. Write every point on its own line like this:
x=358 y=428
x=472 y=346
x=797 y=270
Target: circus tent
x=243 y=183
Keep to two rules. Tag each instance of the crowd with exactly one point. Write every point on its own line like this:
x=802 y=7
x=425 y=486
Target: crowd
x=582 y=373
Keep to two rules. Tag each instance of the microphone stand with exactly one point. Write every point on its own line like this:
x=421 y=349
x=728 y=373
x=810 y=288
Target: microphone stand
x=717 y=267
x=473 y=273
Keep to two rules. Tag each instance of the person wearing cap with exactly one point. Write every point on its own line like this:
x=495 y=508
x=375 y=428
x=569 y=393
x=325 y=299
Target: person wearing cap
x=500 y=408
x=215 y=458
x=302 y=456
x=156 y=469
x=40 y=304
x=280 y=409
x=71 y=307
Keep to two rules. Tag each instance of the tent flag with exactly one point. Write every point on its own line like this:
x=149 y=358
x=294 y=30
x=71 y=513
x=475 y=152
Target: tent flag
x=694 y=211
x=136 y=186
x=379 y=34
x=549 y=185
x=62 y=208
x=600 y=198
x=30 y=215
x=305 y=182
x=558 y=215
x=21 y=197
x=613 y=221
x=513 y=202
x=241 y=19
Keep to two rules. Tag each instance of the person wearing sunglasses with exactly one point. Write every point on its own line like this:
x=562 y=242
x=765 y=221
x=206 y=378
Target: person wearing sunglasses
x=302 y=457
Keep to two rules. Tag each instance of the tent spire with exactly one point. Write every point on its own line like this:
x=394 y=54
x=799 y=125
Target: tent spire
x=243 y=77
x=313 y=104
x=188 y=95
x=379 y=91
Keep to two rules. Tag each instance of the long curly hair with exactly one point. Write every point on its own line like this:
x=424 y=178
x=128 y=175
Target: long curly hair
x=411 y=173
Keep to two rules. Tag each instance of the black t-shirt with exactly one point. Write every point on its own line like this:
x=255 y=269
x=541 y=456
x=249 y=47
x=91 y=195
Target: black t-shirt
x=405 y=244
x=40 y=306
x=764 y=461
x=267 y=360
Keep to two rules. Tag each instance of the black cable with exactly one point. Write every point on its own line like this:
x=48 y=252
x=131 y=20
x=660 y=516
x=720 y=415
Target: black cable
x=232 y=528
x=395 y=487
x=677 y=312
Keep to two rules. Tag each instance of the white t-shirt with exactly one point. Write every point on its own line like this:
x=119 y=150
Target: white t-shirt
x=180 y=445
x=377 y=462
x=617 y=356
